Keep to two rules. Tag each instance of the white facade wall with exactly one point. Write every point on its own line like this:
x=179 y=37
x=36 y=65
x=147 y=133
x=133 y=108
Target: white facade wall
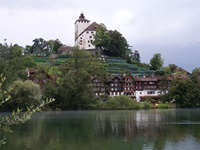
x=80 y=26
x=84 y=41
x=112 y=94
x=146 y=93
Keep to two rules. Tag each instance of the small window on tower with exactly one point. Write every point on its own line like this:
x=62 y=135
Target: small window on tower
x=89 y=45
x=90 y=36
x=87 y=32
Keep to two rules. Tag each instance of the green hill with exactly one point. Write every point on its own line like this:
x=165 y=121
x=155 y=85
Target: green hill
x=118 y=66
x=113 y=65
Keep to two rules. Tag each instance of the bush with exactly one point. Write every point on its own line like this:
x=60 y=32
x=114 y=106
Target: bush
x=119 y=102
x=23 y=95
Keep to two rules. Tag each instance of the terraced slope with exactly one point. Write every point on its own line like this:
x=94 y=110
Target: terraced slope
x=113 y=65
x=118 y=66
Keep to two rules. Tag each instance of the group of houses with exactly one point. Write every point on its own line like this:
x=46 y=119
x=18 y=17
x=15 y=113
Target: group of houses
x=138 y=88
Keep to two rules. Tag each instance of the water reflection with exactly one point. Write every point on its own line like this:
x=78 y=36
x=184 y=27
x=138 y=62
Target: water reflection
x=109 y=130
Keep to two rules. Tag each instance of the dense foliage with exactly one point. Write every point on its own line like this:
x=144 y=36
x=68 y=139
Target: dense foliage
x=156 y=62
x=184 y=92
x=111 y=42
x=74 y=86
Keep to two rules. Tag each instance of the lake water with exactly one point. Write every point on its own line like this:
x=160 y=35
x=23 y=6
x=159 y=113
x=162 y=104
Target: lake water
x=157 y=129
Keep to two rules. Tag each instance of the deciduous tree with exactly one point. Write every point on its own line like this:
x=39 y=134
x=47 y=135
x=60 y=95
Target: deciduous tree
x=156 y=62
x=76 y=80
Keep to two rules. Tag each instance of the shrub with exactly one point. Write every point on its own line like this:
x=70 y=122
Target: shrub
x=24 y=94
x=119 y=102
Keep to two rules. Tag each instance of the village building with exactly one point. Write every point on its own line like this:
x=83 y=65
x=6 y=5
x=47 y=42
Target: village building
x=115 y=86
x=128 y=86
x=99 y=87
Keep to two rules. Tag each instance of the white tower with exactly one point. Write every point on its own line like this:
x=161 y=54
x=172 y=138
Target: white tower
x=80 y=25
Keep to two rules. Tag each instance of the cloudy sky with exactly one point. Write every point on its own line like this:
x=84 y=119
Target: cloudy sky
x=169 y=27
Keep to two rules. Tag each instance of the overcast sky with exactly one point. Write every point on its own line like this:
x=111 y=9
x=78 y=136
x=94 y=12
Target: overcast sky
x=169 y=27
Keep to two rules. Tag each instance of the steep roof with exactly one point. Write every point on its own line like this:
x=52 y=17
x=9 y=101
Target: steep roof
x=111 y=78
x=91 y=27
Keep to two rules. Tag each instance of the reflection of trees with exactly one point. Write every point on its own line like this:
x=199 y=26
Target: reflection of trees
x=152 y=127
x=108 y=129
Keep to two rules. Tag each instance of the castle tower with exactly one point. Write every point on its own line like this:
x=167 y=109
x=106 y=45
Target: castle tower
x=80 y=25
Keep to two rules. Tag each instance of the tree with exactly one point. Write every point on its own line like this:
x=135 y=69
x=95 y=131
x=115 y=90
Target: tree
x=172 y=67
x=156 y=62
x=184 y=92
x=17 y=117
x=102 y=37
x=135 y=57
x=13 y=64
x=195 y=77
x=54 y=45
x=111 y=42
x=23 y=94
x=75 y=85
x=39 y=44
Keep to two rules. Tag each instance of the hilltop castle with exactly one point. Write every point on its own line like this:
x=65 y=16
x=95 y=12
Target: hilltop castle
x=84 y=34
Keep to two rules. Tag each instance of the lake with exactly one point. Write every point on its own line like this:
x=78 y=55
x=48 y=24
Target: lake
x=154 y=129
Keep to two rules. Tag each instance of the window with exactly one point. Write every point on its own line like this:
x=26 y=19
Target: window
x=89 y=45
x=150 y=92
x=116 y=84
x=116 y=80
x=151 y=82
x=87 y=32
x=102 y=89
x=111 y=84
x=90 y=36
x=95 y=80
x=92 y=32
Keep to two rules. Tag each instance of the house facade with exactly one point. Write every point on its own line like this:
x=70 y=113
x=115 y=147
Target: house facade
x=99 y=87
x=146 y=87
x=138 y=88
x=115 y=86
x=128 y=86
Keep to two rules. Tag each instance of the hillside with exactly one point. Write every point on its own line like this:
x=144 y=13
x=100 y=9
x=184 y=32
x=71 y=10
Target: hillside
x=113 y=65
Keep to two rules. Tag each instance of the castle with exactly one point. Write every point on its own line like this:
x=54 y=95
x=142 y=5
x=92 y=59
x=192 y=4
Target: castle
x=84 y=34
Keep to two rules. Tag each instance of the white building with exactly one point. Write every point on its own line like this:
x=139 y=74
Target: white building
x=84 y=34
